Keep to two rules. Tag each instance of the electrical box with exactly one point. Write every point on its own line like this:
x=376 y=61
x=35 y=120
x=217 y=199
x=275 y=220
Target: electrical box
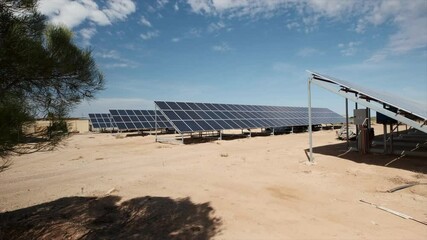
x=359 y=116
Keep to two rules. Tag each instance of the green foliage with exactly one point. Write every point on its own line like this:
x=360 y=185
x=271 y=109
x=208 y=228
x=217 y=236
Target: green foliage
x=42 y=71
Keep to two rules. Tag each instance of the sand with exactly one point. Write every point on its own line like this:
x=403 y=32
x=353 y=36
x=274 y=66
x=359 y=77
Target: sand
x=250 y=188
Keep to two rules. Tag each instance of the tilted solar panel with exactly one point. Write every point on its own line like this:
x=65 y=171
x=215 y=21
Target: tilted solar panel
x=415 y=108
x=139 y=119
x=101 y=120
x=194 y=117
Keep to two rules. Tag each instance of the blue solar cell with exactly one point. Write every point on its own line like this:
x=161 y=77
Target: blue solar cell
x=241 y=124
x=183 y=115
x=126 y=119
x=193 y=115
x=214 y=125
x=122 y=112
x=205 y=126
x=219 y=107
x=232 y=124
x=221 y=115
x=181 y=126
x=138 y=125
x=183 y=106
x=211 y=106
x=212 y=115
x=244 y=115
x=162 y=105
x=171 y=115
x=202 y=106
x=173 y=106
x=193 y=125
x=194 y=106
x=203 y=115
x=223 y=124
x=227 y=107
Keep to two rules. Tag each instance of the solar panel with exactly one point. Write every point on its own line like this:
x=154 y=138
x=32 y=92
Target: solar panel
x=194 y=117
x=139 y=119
x=417 y=109
x=101 y=120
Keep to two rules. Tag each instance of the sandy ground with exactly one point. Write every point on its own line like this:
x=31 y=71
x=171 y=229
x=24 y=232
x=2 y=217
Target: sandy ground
x=255 y=188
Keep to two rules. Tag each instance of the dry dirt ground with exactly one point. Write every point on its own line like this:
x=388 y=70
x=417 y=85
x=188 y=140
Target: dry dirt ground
x=251 y=188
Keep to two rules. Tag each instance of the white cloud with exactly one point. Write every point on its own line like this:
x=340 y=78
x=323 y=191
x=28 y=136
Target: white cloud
x=222 y=47
x=176 y=39
x=214 y=27
x=145 y=22
x=348 y=49
x=73 y=13
x=409 y=18
x=112 y=59
x=87 y=34
x=176 y=7
x=149 y=35
x=308 y=52
x=119 y=9
x=292 y=25
x=162 y=3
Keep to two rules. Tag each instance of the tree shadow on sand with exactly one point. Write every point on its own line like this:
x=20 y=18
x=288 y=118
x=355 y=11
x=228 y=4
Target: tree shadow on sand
x=106 y=218
x=415 y=164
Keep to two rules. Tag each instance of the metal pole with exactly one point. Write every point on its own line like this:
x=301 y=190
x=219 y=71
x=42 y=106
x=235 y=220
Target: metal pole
x=155 y=120
x=385 y=137
x=391 y=138
x=356 y=106
x=346 y=122
x=368 y=114
x=310 y=131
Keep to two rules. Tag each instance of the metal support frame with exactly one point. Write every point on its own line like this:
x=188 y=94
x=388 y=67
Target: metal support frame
x=356 y=106
x=155 y=120
x=391 y=138
x=310 y=130
x=375 y=107
x=385 y=137
x=346 y=122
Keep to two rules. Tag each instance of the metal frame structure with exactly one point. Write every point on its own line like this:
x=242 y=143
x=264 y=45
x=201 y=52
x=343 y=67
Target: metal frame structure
x=410 y=114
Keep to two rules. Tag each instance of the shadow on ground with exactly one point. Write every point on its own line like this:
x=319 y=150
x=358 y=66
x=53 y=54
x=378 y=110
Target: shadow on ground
x=106 y=218
x=415 y=164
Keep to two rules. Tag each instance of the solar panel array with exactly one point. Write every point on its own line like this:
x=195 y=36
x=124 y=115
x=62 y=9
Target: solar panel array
x=101 y=120
x=418 y=109
x=194 y=117
x=139 y=119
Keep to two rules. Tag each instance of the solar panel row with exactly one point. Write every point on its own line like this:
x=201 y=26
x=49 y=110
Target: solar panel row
x=193 y=117
x=101 y=120
x=139 y=119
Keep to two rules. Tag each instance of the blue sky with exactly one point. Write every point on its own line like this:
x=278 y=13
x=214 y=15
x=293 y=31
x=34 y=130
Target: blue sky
x=246 y=51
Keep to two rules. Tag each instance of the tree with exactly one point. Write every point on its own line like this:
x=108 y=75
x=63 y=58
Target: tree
x=42 y=71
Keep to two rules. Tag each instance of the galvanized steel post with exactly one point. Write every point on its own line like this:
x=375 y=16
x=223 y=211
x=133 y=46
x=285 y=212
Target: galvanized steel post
x=310 y=141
